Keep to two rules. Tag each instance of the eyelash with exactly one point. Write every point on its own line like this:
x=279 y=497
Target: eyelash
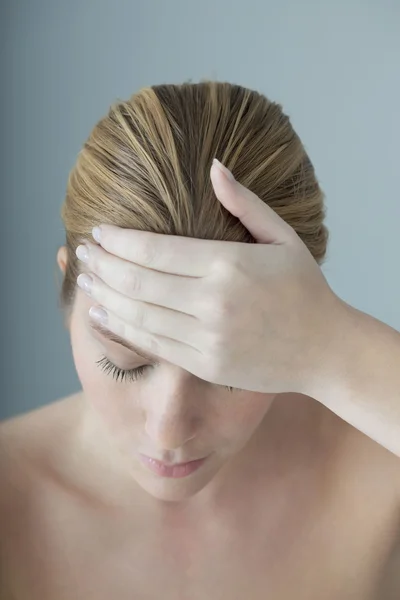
x=120 y=374
x=132 y=374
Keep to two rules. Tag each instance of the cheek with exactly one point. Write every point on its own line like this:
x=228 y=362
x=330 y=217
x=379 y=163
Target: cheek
x=104 y=394
x=244 y=414
x=89 y=374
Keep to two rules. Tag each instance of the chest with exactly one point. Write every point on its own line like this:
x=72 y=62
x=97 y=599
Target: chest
x=291 y=548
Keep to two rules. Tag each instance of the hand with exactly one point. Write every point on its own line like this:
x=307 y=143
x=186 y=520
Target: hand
x=259 y=317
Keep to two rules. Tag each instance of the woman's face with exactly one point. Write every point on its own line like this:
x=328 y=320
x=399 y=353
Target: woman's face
x=167 y=413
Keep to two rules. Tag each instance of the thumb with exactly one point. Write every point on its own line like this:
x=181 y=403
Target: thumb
x=264 y=224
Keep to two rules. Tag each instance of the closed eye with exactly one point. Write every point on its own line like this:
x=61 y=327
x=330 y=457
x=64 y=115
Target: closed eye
x=134 y=374
x=131 y=374
x=122 y=374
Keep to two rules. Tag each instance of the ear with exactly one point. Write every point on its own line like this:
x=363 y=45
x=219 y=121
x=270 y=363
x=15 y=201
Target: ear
x=62 y=259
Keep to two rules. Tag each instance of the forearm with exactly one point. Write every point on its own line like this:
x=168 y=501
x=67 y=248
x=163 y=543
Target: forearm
x=363 y=386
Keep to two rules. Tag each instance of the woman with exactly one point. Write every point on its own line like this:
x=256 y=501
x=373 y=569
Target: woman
x=288 y=489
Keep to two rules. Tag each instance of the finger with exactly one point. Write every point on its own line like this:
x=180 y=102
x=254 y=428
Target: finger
x=171 y=350
x=264 y=224
x=138 y=283
x=141 y=315
x=173 y=254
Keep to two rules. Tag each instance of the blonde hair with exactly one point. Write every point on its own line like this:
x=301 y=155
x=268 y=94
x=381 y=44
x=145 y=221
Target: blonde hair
x=146 y=165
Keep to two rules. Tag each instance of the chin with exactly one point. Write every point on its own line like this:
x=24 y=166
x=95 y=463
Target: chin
x=171 y=492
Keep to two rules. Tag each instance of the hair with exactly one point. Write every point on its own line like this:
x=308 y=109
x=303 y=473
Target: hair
x=146 y=165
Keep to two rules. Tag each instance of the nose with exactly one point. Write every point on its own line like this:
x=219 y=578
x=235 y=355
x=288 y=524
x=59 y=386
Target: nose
x=172 y=425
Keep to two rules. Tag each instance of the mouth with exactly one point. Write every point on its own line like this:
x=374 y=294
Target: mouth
x=175 y=470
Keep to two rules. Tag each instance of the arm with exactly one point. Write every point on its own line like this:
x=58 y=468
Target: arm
x=363 y=385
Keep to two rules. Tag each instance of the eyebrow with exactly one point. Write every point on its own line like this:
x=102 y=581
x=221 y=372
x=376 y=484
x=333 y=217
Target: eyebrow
x=113 y=337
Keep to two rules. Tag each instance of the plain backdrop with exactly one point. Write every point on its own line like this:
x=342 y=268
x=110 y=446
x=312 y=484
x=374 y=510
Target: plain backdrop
x=333 y=65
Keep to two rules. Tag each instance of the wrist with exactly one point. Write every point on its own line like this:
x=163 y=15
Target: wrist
x=335 y=364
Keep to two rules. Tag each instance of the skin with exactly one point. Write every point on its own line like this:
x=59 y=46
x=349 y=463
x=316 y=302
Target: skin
x=292 y=499
x=166 y=414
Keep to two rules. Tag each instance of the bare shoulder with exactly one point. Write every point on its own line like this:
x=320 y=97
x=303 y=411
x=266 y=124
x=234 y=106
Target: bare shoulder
x=30 y=446
x=27 y=443
x=375 y=473
x=30 y=430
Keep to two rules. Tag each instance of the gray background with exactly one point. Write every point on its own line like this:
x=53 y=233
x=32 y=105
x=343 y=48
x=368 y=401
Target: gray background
x=333 y=65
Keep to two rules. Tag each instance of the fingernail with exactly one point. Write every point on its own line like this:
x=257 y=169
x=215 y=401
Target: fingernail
x=96 y=233
x=82 y=253
x=98 y=314
x=223 y=169
x=85 y=282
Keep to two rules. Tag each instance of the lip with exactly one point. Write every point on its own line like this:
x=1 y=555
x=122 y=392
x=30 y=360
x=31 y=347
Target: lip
x=174 y=471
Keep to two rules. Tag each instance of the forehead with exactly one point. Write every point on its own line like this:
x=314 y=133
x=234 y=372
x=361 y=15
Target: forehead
x=81 y=309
